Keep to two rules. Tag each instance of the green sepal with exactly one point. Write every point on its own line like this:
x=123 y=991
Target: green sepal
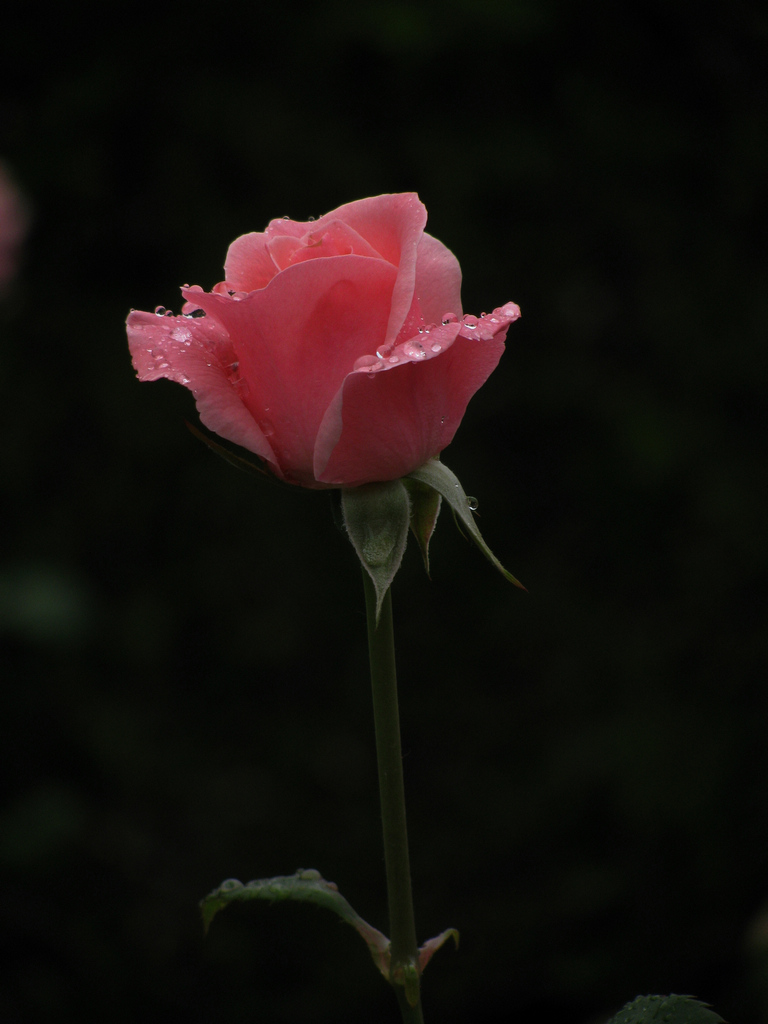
x=231 y=457
x=377 y=517
x=671 y=1009
x=307 y=886
x=437 y=476
x=425 y=508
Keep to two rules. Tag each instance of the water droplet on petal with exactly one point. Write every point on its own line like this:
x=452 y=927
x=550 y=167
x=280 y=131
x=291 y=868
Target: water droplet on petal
x=160 y=311
x=414 y=350
x=470 y=321
x=437 y=348
x=236 y=380
x=472 y=503
x=366 y=363
x=449 y=318
x=196 y=313
x=394 y=359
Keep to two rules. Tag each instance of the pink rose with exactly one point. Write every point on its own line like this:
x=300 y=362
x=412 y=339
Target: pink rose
x=13 y=226
x=334 y=349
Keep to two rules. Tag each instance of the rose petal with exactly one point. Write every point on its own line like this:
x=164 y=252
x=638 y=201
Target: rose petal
x=383 y=425
x=297 y=338
x=197 y=353
x=326 y=237
x=393 y=225
x=249 y=264
x=438 y=280
x=390 y=225
x=487 y=325
x=282 y=249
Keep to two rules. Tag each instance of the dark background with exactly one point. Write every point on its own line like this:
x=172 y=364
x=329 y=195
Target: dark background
x=185 y=693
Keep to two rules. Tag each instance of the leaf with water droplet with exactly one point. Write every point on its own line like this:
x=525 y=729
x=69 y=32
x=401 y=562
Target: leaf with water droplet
x=672 y=1009
x=436 y=474
x=305 y=886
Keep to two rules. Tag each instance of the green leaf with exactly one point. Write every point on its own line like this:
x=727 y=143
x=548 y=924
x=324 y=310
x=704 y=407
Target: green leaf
x=306 y=886
x=437 y=476
x=671 y=1009
x=377 y=517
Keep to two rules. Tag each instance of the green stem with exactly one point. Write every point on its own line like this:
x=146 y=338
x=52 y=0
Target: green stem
x=402 y=927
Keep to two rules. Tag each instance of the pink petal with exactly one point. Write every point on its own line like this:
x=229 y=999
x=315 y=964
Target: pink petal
x=438 y=280
x=385 y=423
x=326 y=237
x=297 y=339
x=197 y=353
x=249 y=265
x=13 y=225
x=282 y=249
x=286 y=226
x=487 y=325
x=393 y=226
x=388 y=225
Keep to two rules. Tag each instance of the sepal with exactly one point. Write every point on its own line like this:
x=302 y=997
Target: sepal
x=377 y=517
x=425 y=508
x=231 y=457
x=436 y=475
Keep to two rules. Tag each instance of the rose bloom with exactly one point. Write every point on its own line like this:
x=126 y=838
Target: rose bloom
x=335 y=349
x=13 y=226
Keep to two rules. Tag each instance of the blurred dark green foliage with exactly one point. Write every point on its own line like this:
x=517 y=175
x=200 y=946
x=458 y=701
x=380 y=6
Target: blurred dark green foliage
x=185 y=693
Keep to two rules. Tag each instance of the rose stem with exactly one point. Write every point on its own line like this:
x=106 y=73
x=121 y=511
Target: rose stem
x=381 y=653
